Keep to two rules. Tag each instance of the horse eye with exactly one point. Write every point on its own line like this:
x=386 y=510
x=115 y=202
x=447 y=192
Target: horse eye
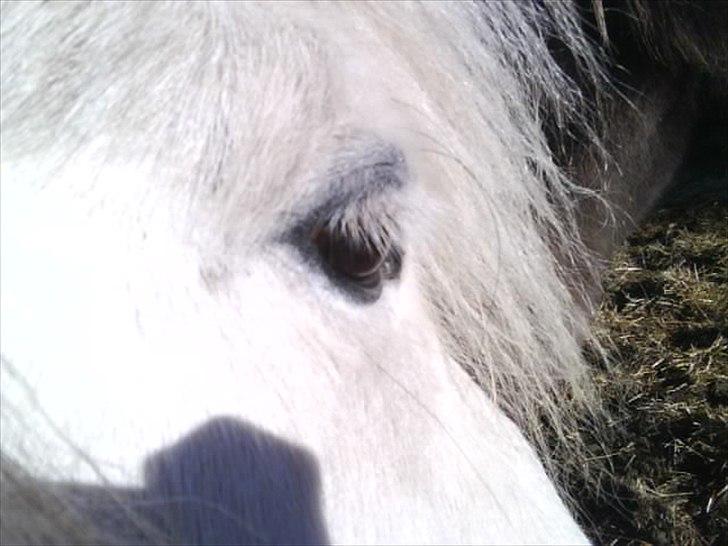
x=360 y=262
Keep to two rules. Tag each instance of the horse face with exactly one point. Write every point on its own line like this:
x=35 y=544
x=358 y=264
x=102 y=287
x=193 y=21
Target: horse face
x=215 y=281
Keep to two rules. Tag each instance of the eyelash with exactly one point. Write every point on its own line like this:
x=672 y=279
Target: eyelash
x=358 y=257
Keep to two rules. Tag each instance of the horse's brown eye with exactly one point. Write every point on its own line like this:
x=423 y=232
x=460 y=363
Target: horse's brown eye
x=360 y=262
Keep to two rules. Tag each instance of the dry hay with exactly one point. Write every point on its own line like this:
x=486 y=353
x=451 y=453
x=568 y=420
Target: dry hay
x=664 y=324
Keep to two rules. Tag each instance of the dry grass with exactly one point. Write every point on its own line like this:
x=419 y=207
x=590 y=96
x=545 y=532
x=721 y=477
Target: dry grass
x=664 y=323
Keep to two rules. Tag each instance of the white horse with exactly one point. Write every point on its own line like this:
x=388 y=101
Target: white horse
x=253 y=257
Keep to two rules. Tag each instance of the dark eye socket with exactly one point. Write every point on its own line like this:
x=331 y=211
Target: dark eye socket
x=361 y=263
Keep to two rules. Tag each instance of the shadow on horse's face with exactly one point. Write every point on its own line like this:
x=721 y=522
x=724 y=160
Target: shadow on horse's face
x=225 y=482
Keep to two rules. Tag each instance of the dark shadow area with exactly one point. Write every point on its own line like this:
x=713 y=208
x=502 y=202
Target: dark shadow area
x=703 y=177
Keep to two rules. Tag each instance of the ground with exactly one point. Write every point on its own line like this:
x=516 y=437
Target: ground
x=664 y=325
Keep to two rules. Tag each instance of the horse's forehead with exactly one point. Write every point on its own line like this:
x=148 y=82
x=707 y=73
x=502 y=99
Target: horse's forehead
x=251 y=112
x=239 y=102
x=267 y=107
x=299 y=96
x=289 y=98
x=306 y=98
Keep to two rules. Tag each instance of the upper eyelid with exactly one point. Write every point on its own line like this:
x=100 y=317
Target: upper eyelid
x=364 y=186
x=379 y=170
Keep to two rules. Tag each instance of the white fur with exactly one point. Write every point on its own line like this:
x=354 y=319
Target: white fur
x=152 y=154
